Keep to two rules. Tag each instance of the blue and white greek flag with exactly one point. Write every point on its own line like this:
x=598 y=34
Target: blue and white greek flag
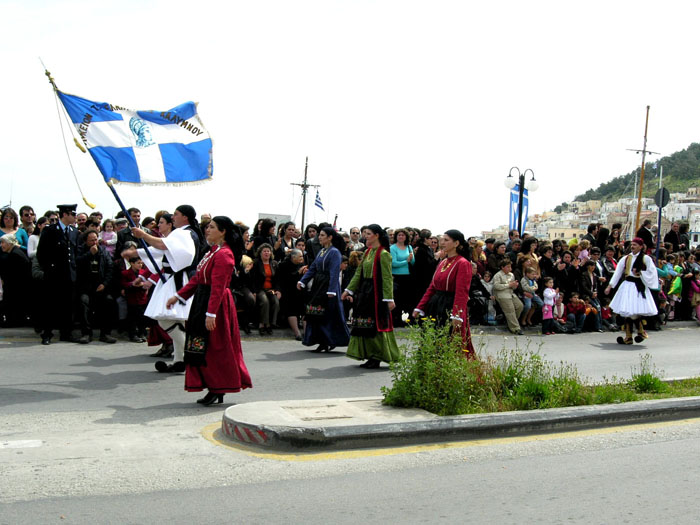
x=318 y=202
x=513 y=211
x=143 y=147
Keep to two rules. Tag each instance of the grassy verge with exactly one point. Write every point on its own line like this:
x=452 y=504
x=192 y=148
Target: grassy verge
x=433 y=375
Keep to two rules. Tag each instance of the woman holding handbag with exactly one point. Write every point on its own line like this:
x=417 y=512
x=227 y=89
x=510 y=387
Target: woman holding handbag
x=325 y=318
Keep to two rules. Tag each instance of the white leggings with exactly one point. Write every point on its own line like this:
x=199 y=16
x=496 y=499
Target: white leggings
x=176 y=330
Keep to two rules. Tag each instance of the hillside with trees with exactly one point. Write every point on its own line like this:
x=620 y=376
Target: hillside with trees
x=681 y=171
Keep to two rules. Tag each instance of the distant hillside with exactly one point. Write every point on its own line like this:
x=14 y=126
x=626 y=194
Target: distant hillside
x=681 y=171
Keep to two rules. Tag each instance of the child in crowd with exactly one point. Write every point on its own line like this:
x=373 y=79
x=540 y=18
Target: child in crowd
x=584 y=246
x=695 y=294
x=108 y=237
x=576 y=312
x=491 y=305
x=550 y=297
x=135 y=287
x=592 y=315
x=607 y=315
x=559 y=315
x=529 y=286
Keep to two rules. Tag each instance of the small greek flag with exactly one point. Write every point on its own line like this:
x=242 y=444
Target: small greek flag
x=318 y=202
x=143 y=147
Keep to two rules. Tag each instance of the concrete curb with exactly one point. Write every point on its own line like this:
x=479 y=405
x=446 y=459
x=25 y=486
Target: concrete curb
x=332 y=424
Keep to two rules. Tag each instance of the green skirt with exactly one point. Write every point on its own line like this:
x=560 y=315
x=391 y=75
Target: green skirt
x=381 y=347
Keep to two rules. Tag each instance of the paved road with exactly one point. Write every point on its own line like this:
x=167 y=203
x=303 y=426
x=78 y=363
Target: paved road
x=90 y=433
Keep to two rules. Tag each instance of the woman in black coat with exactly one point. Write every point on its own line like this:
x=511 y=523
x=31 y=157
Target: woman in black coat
x=16 y=275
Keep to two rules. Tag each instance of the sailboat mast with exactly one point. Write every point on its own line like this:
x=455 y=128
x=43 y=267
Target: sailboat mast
x=304 y=188
x=641 y=177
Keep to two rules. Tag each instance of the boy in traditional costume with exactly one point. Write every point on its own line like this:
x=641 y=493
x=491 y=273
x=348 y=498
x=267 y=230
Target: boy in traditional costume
x=636 y=275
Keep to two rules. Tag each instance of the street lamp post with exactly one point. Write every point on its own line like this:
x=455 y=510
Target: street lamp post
x=530 y=185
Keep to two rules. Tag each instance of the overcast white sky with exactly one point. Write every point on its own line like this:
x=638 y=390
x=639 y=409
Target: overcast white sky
x=410 y=112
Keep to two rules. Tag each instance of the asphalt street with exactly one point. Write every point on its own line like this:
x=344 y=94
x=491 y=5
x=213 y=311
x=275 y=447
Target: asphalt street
x=92 y=434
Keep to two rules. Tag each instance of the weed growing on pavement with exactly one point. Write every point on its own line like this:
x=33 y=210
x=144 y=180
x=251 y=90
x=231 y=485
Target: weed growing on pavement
x=434 y=375
x=645 y=378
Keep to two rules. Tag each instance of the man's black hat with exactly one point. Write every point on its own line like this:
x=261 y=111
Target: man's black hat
x=67 y=208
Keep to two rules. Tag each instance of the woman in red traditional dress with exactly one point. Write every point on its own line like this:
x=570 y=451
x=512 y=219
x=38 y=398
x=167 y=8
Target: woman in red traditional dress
x=448 y=294
x=213 y=354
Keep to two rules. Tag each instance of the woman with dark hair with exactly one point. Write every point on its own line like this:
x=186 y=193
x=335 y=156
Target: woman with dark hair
x=213 y=353
x=371 y=291
x=10 y=224
x=266 y=235
x=325 y=318
x=601 y=240
x=424 y=268
x=448 y=294
x=402 y=259
x=33 y=242
x=528 y=251
x=285 y=241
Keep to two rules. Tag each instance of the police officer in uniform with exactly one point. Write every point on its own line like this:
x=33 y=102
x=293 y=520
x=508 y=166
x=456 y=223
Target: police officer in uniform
x=56 y=254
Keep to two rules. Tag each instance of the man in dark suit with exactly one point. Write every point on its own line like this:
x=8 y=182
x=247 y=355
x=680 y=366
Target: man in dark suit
x=591 y=234
x=646 y=235
x=56 y=254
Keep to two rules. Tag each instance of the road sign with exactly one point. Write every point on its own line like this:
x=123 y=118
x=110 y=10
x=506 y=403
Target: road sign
x=662 y=197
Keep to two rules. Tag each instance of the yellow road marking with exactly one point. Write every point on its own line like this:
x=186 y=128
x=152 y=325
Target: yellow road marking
x=213 y=434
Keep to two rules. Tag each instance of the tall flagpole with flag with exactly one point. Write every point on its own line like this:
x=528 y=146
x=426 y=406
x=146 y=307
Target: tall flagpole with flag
x=140 y=147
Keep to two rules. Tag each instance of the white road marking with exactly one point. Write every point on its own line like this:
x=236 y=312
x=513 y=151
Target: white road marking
x=22 y=443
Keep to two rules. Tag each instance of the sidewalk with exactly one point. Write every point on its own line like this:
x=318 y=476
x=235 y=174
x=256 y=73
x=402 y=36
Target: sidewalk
x=333 y=424
x=476 y=330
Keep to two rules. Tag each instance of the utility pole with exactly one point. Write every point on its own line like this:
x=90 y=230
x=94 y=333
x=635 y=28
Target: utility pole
x=304 y=189
x=644 y=152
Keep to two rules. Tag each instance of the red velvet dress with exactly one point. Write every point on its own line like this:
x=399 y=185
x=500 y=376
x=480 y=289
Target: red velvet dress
x=453 y=274
x=225 y=370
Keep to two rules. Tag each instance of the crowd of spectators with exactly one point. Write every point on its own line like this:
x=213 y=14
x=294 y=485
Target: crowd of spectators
x=517 y=282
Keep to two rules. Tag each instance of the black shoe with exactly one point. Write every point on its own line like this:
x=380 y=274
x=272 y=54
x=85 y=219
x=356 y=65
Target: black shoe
x=246 y=329
x=298 y=337
x=321 y=348
x=372 y=364
x=177 y=367
x=269 y=330
x=106 y=338
x=46 y=340
x=330 y=348
x=136 y=339
x=262 y=330
x=210 y=399
x=162 y=366
x=164 y=351
x=84 y=339
x=519 y=332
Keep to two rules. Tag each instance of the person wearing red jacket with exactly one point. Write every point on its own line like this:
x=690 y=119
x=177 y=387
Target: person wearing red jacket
x=135 y=285
x=576 y=312
x=213 y=353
